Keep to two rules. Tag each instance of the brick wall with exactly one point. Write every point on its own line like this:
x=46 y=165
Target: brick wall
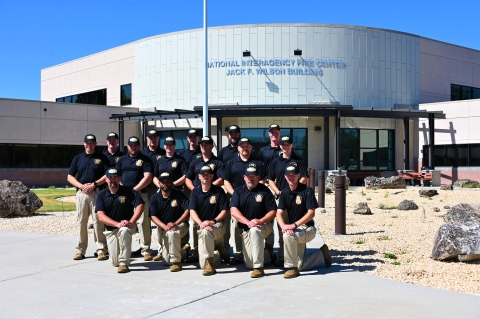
x=451 y=174
x=36 y=177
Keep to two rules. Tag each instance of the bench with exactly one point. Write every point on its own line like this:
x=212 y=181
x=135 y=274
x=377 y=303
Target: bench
x=359 y=176
x=423 y=178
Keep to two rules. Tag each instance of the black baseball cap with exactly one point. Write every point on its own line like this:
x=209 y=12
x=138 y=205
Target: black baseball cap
x=272 y=126
x=286 y=140
x=164 y=175
x=206 y=139
x=192 y=132
x=152 y=133
x=234 y=128
x=205 y=169
x=90 y=138
x=133 y=140
x=291 y=169
x=112 y=134
x=113 y=172
x=244 y=140
x=251 y=170
x=170 y=140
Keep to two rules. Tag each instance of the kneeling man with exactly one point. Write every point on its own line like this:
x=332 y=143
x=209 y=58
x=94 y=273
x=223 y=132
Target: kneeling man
x=169 y=211
x=299 y=201
x=208 y=209
x=119 y=207
x=253 y=206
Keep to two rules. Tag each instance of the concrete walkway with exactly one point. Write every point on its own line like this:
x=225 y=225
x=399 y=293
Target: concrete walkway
x=39 y=279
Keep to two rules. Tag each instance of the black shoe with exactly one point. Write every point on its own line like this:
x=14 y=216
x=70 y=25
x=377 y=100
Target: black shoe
x=192 y=259
x=279 y=263
x=236 y=261
x=273 y=257
x=326 y=255
x=137 y=252
x=223 y=253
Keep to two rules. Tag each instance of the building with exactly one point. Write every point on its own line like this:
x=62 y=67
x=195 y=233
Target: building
x=358 y=98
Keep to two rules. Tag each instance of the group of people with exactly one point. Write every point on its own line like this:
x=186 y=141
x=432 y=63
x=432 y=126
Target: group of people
x=195 y=216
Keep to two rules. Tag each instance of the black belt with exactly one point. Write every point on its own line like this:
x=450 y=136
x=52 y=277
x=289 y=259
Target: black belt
x=110 y=228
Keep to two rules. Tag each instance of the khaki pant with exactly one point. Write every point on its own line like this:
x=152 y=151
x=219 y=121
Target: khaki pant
x=295 y=247
x=85 y=208
x=254 y=245
x=144 y=225
x=207 y=241
x=120 y=245
x=172 y=251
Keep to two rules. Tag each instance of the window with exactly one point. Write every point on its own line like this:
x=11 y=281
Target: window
x=26 y=155
x=454 y=155
x=463 y=92
x=6 y=155
x=98 y=97
x=126 y=94
x=362 y=149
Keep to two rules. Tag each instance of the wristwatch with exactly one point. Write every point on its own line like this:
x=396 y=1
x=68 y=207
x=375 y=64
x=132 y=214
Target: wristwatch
x=95 y=183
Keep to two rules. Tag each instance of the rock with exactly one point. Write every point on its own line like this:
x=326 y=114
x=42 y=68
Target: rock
x=363 y=209
x=462 y=214
x=436 y=209
x=466 y=183
x=460 y=242
x=407 y=205
x=427 y=193
x=394 y=182
x=17 y=199
x=446 y=207
x=330 y=184
x=446 y=187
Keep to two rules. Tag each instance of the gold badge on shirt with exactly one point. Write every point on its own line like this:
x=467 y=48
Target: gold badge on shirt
x=97 y=161
x=259 y=198
x=213 y=199
x=298 y=200
x=174 y=203
x=116 y=159
x=121 y=199
x=174 y=164
x=212 y=166
x=159 y=157
x=199 y=155
x=139 y=163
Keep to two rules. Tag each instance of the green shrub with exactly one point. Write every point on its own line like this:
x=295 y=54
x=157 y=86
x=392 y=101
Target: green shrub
x=359 y=242
x=396 y=263
x=390 y=256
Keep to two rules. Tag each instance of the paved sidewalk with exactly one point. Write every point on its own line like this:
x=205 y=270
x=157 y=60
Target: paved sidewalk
x=39 y=279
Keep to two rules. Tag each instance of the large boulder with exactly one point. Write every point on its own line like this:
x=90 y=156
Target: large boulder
x=446 y=187
x=455 y=241
x=17 y=199
x=330 y=183
x=407 y=205
x=362 y=209
x=462 y=214
x=394 y=182
x=466 y=183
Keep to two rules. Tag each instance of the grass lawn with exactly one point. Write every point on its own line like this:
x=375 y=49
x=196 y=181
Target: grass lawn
x=50 y=204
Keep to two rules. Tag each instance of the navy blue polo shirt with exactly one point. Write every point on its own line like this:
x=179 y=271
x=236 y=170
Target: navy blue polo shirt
x=113 y=158
x=298 y=202
x=168 y=209
x=133 y=168
x=190 y=155
x=176 y=166
x=277 y=169
x=254 y=203
x=235 y=168
x=194 y=168
x=208 y=204
x=118 y=206
x=87 y=168
x=154 y=155
x=227 y=153
x=267 y=154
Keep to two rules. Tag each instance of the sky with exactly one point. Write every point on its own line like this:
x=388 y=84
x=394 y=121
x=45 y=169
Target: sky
x=36 y=34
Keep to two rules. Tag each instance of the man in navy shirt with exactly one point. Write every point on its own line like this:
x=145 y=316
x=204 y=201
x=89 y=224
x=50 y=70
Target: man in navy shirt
x=299 y=201
x=193 y=151
x=253 y=206
x=113 y=153
x=86 y=173
x=137 y=174
x=169 y=211
x=268 y=153
x=207 y=158
x=119 y=207
x=231 y=151
x=277 y=181
x=208 y=209
x=233 y=178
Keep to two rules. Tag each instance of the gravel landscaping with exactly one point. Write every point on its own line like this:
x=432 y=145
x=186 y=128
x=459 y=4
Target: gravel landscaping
x=389 y=243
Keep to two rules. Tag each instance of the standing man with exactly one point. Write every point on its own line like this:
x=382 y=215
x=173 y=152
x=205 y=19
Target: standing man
x=277 y=181
x=208 y=209
x=169 y=211
x=268 y=153
x=299 y=201
x=86 y=173
x=192 y=152
x=113 y=153
x=207 y=158
x=153 y=150
x=119 y=207
x=137 y=174
x=231 y=150
x=253 y=206
x=233 y=178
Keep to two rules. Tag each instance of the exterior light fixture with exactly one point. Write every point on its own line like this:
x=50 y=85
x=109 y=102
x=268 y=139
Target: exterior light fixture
x=297 y=52
x=246 y=53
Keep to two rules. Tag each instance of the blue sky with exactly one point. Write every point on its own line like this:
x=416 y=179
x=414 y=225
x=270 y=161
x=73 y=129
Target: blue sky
x=36 y=34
